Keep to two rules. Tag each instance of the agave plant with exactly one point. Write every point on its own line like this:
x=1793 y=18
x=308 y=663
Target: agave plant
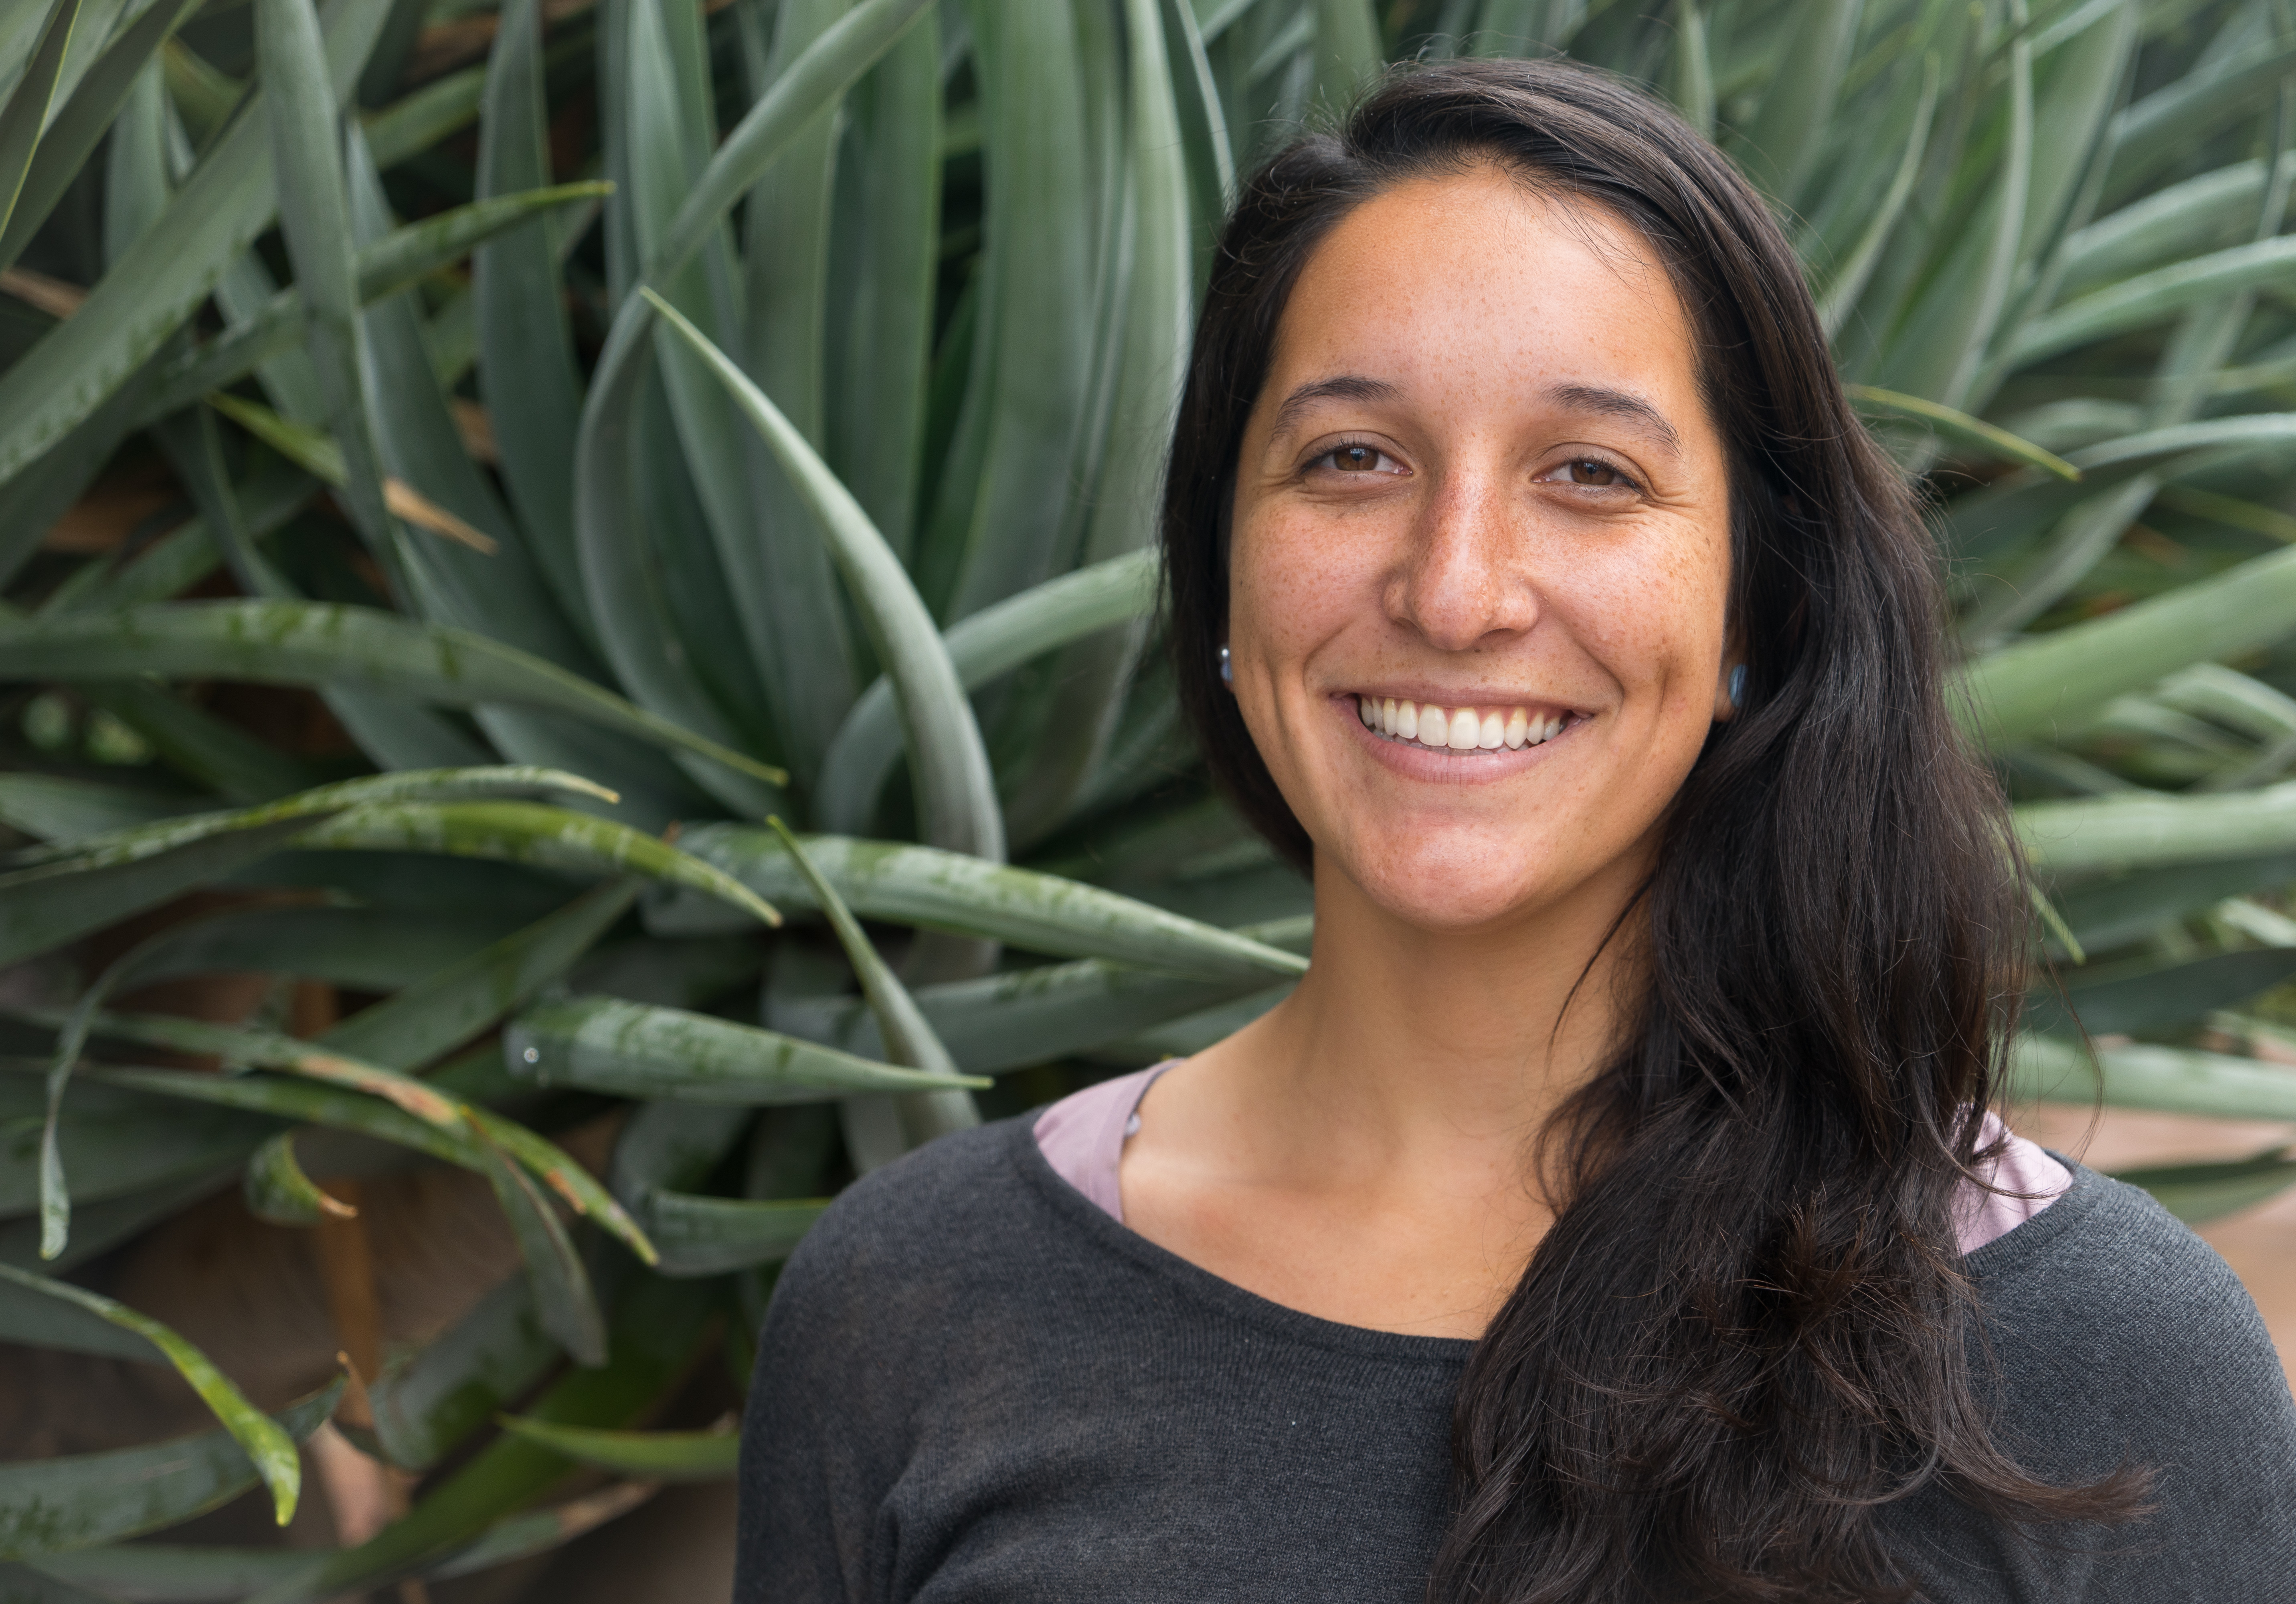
x=731 y=592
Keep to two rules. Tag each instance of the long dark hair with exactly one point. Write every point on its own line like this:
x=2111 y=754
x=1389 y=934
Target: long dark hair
x=1748 y=1327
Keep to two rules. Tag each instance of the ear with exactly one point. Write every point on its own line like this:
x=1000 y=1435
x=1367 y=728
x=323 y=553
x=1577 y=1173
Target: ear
x=1729 y=683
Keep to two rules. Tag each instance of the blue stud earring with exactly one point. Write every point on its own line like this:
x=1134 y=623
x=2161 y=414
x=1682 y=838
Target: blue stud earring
x=1737 y=688
x=1227 y=668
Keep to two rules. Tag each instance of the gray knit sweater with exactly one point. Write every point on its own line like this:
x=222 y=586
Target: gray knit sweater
x=973 y=1384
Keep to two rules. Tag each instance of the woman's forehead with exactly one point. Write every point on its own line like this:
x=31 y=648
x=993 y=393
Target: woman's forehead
x=1477 y=278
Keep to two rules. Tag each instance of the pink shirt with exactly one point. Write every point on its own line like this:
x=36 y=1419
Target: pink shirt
x=1082 y=1137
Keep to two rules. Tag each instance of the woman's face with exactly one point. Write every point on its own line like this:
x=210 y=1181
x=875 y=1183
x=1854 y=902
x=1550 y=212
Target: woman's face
x=1481 y=480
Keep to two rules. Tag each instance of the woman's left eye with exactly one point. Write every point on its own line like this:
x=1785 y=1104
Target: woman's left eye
x=1358 y=459
x=1591 y=472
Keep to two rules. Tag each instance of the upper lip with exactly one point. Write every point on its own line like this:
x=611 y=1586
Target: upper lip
x=1463 y=698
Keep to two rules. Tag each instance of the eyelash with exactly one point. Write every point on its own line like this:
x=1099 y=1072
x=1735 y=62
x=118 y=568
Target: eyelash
x=1324 y=459
x=1627 y=480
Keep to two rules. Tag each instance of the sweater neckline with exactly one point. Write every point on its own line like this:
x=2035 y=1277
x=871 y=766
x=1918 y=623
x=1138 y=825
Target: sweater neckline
x=1215 y=1294
x=2011 y=1255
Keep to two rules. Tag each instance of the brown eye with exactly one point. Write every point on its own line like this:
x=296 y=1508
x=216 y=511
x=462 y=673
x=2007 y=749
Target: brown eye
x=1355 y=459
x=1589 y=471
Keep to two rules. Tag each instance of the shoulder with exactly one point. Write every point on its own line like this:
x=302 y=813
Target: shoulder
x=2105 y=1276
x=947 y=1212
x=2117 y=1336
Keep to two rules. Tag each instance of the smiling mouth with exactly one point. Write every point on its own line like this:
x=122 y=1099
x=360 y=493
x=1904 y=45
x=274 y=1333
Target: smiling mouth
x=1461 y=729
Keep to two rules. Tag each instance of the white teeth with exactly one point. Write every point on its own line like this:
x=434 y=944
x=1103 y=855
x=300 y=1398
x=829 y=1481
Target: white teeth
x=1456 y=729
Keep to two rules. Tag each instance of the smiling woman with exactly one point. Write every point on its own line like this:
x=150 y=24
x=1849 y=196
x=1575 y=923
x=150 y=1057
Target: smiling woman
x=1614 y=1211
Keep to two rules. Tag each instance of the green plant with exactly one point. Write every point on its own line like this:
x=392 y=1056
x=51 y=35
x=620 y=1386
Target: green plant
x=824 y=411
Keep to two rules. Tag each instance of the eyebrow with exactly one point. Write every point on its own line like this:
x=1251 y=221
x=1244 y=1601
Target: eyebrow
x=1617 y=404
x=1347 y=387
x=1629 y=409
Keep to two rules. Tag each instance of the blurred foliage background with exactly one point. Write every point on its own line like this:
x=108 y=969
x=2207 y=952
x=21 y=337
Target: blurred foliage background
x=577 y=660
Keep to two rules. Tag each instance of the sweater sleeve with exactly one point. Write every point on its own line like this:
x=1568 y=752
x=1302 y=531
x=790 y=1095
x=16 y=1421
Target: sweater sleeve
x=841 y=1364
x=2126 y=1342
x=805 y=1494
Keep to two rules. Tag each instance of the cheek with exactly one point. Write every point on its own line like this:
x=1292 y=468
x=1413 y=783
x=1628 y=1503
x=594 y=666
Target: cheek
x=1650 y=612
x=1290 y=583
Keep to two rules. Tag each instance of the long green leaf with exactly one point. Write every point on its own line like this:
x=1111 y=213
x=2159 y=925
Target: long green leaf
x=816 y=79
x=2151 y=298
x=605 y=1044
x=2197 y=1194
x=315 y=644
x=74 y=132
x=2169 y=121
x=908 y=1036
x=1031 y=382
x=306 y=152
x=786 y=223
x=1782 y=140
x=872 y=1137
x=2168 y=1080
x=389 y=265
x=2165 y=225
x=526 y=352
x=414 y=1026
x=456 y=1382
x=948 y=891
x=133 y=844
x=26 y=114
x=501 y=594
x=33 y=1318
x=2149 y=829
x=216 y=1573
x=652 y=1339
x=560 y=1282
x=49 y=1506
x=1959 y=425
x=2064 y=678
x=664 y=1456
x=958 y=791
x=563 y=1298
x=1347 y=52
x=1036 y=1015
x=1157 y=325
x=149 y=294
x=44 y=907
x=709 y=1236
x=629 y=576
x=544 y=837
x=279 y=1192
x=889 y=174
x=992 y=642
x=1849 y=280
x=53 y=808
x=116 y=1145
x=776 y=581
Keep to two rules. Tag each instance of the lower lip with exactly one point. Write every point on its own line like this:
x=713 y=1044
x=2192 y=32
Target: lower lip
x=1443 y=765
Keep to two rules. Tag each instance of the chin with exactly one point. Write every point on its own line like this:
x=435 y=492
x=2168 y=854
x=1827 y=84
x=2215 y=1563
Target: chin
x=1456 y=886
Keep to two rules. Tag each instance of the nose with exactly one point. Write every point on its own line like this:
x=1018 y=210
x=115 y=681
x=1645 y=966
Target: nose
x=1465 y=581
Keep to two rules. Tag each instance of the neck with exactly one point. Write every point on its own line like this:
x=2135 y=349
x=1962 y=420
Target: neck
x=1404 y=1047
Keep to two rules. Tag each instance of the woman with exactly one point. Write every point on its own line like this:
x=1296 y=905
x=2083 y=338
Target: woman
x=1611 y=1212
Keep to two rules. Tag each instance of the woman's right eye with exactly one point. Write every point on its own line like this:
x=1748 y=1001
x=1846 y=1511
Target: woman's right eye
x=1359 y=459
